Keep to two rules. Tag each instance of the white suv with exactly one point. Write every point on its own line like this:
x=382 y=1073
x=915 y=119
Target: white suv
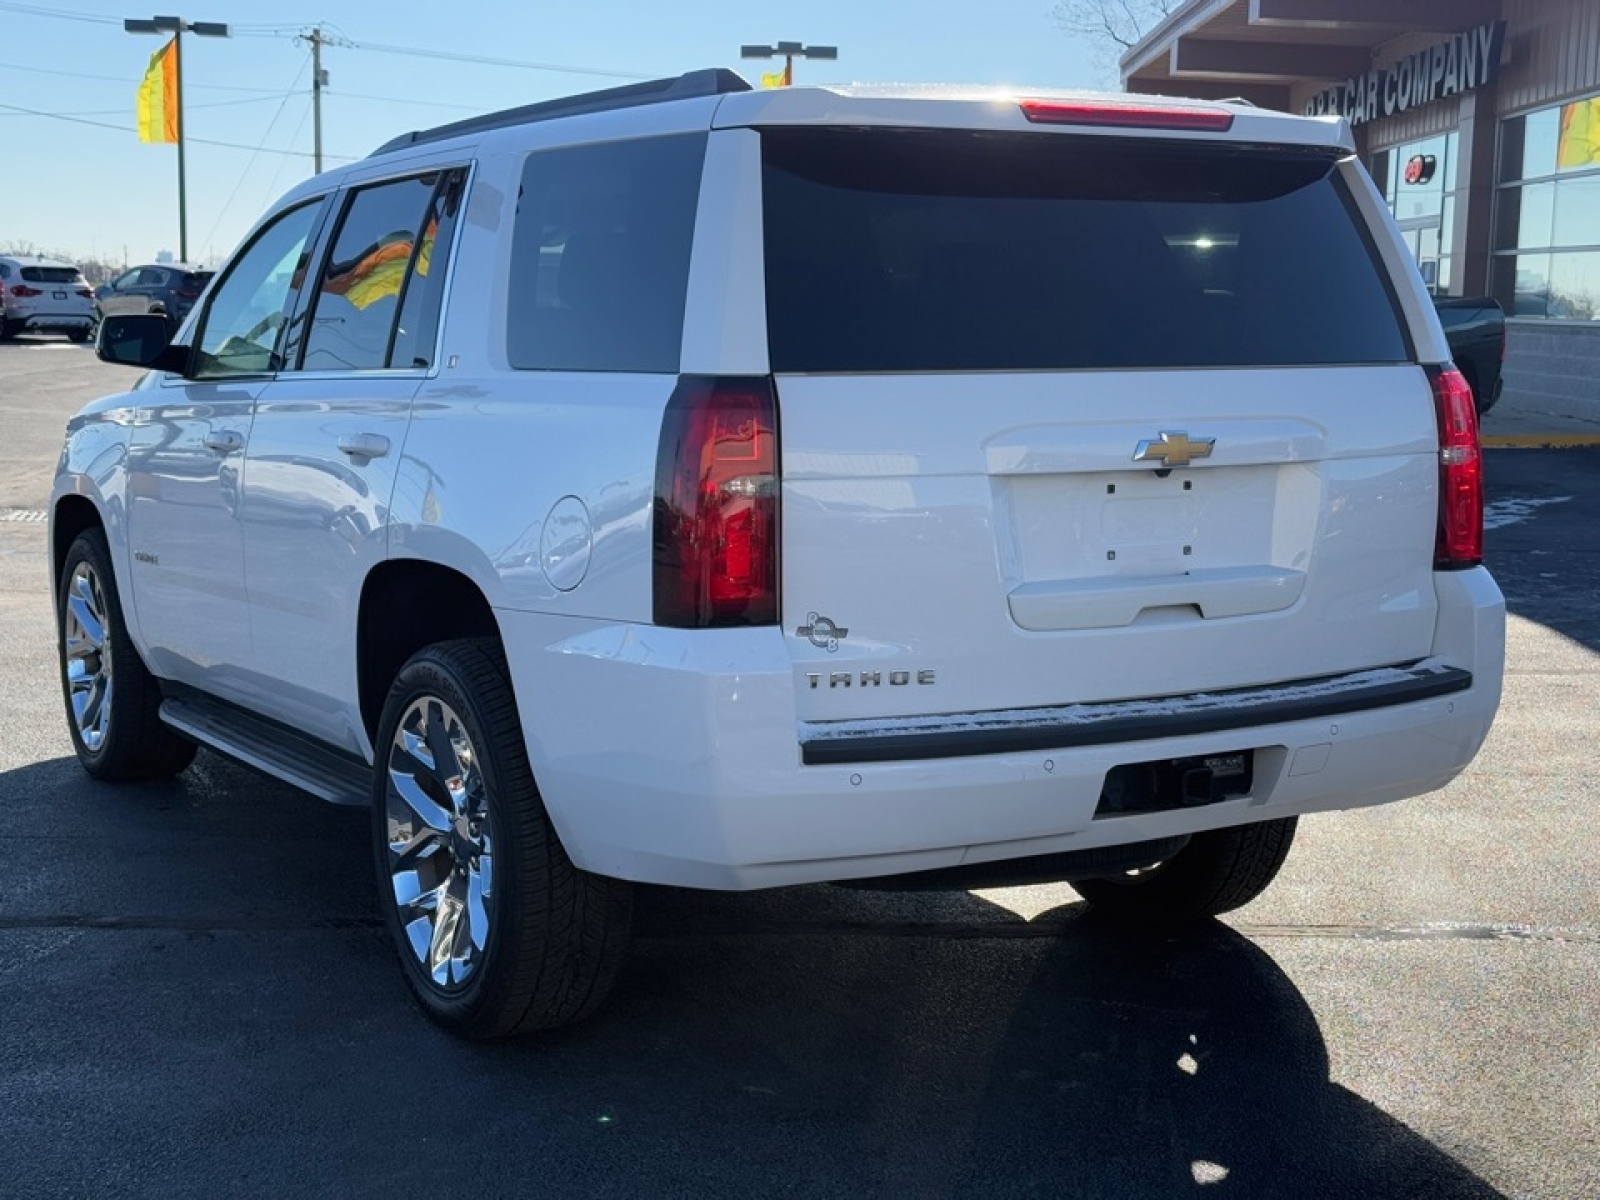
x=43 y=295
x=693 y=485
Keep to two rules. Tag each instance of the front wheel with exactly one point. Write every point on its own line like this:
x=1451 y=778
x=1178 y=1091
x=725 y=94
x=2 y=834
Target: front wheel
x=113 y=702
x=1216 y=872
x=497 y=932
x=80 y=336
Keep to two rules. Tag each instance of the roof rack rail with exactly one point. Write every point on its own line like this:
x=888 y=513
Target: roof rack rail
x=712 y=81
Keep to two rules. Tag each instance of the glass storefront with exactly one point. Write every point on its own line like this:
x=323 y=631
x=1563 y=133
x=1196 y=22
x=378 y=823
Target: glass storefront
x=1418 y=182
x=1547 y=217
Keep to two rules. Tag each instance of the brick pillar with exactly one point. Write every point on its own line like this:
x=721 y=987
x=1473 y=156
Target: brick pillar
x=1473 y=239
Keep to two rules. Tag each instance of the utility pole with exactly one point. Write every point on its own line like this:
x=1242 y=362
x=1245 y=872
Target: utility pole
x=319 y=80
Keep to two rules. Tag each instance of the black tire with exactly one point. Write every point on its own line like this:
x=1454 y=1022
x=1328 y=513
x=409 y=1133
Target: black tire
x=118 y=735
x=555 y=935
x=1218 y=871
x=80 y=336
x=8 y=330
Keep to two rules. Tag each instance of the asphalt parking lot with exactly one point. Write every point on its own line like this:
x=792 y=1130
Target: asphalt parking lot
x=196 y=997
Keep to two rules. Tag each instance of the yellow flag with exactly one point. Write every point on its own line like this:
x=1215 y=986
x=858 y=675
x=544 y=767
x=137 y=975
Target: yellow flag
x=1579 y=145
x=157 y=107
x=777 y=79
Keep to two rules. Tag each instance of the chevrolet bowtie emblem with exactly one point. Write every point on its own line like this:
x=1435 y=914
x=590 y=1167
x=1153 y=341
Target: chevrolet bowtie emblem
x=822 y=633
x=1174 y=448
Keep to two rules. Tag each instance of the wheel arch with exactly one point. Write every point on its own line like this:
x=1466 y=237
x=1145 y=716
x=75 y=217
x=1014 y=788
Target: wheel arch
x=407 y=604
x=72 y=515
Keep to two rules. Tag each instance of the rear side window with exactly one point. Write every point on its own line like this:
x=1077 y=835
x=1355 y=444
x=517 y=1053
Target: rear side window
x=52 y=275
x=891 y=251
x=368 y=298
x=600 y=256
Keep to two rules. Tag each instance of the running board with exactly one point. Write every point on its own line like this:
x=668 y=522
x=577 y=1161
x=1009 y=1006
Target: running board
x=271 y=749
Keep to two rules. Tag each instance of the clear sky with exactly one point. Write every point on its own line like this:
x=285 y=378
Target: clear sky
x=79 y=187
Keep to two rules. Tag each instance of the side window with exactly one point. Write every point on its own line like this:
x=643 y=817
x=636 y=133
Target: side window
x=417 y=332
x=152 y=277
x=244 y=323
x=126 y=280
x=384 y=231
x=600 y=255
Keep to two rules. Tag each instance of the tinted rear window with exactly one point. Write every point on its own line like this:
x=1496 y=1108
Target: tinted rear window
x=52 y=274
x=913 y=251
x=600 y=257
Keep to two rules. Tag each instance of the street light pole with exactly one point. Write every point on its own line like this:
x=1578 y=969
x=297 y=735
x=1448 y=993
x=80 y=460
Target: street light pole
x=790 y=51
x=177 y=26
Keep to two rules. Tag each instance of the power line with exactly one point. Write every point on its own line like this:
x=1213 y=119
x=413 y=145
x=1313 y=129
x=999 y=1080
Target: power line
x=256 y=153
x=472 y=108
x=269 y=93
x=34 y=112
x=272 y=187
x=101 y=112
x=483 y=61
x=34 y=10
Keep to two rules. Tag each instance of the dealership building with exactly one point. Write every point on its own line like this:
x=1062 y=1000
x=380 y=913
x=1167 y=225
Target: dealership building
x=1480 y=123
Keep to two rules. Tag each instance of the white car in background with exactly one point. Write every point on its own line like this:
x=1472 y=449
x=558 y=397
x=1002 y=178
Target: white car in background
x=43 y=295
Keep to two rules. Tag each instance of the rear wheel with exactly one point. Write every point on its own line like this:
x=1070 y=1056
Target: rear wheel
x=78 y=335
x=1218 y=871
x=113 y=702
x=497 y=932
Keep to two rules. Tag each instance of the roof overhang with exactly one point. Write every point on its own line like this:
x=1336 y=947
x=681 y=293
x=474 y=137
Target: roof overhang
x=1258 y=49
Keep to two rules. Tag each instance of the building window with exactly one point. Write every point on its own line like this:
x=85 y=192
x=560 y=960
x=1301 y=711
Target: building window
x=1418 y=181
x=1547 y=223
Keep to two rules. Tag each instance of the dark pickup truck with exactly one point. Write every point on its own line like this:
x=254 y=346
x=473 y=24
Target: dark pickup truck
x=1475 y=326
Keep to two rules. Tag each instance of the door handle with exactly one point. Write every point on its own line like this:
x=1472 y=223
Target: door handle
x=364 y=445
x=224 y=441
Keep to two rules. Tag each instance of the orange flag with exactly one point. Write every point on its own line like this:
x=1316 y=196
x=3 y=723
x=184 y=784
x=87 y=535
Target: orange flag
x=157 y=107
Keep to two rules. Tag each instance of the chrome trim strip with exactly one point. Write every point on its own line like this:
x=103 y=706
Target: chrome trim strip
x=954 y=735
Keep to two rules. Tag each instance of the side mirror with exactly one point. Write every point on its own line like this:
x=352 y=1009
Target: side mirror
x=140 y=340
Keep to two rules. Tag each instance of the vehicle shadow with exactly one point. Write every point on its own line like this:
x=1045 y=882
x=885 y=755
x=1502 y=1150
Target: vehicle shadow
x=936 y=1045
x=204 y=956
x=1542 y=507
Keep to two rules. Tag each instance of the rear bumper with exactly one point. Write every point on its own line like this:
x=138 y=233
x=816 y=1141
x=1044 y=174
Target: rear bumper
x=51 y=322
x=676 y=757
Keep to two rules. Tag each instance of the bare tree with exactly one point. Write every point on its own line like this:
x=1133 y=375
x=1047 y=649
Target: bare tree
x=1112 y=26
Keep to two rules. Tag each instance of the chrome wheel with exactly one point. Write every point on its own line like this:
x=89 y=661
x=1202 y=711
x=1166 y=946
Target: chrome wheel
x=86 y=644
x=440 y=842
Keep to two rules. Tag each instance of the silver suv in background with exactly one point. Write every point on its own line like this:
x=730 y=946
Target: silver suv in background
x=44 y=295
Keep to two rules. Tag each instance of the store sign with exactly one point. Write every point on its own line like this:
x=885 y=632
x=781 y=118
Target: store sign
x=1420 y=168
x=1468 y=60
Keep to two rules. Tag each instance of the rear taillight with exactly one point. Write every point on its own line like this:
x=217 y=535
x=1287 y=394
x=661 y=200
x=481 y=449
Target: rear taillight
x=24 y=291
x=182 y=294
x=1127 y=116
x=1460 y=538
x=86 y=293
x=716 y=504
